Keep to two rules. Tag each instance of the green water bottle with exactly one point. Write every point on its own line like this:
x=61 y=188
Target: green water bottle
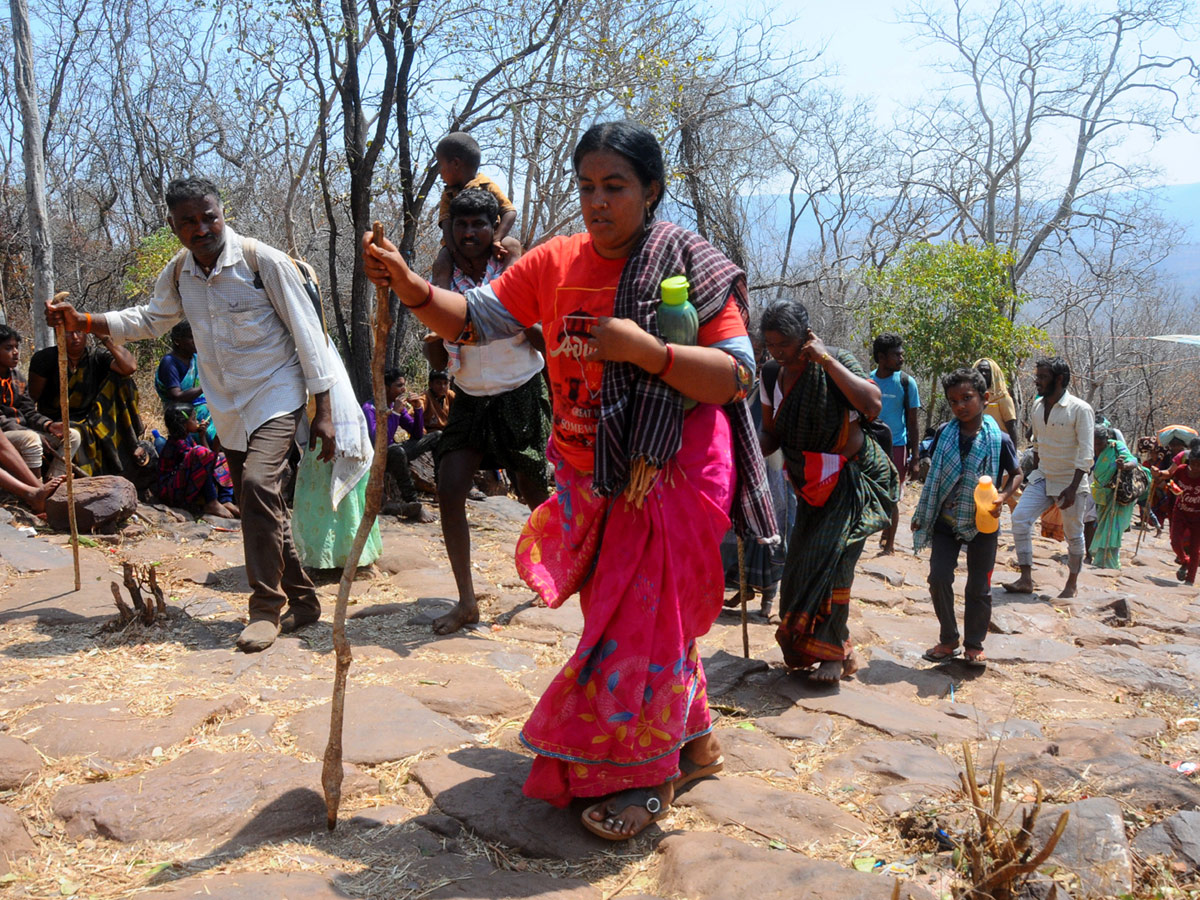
x=678 y=322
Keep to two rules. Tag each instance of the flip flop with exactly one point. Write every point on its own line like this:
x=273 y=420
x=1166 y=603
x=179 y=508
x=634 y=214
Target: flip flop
x=976 y=658
x=691 y=771
x=941 y=653
x=646 y=798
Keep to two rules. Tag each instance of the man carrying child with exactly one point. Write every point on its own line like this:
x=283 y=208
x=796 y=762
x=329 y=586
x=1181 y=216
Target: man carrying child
x=501 y=413
x=458 y=157
x=968 y=447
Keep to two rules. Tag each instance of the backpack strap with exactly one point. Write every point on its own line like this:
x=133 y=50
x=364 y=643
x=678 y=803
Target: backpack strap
x=176 y=264
x=905 y=380
x=250 y=252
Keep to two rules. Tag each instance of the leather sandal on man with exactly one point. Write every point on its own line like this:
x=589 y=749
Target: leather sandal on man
x=611 y=827
x=942 y=652
x=975 y=658
x=257 y=636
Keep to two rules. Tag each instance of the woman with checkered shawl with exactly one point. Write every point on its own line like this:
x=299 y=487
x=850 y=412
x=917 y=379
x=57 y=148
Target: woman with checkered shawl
x=846 y=485
x=644 y=491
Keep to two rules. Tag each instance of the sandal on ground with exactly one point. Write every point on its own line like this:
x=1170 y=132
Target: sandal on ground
x=607 y=828
x=975 y=658
x=690 y=771
x=942 y=652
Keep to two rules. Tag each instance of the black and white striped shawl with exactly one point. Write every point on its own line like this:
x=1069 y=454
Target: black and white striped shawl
x=640 y=415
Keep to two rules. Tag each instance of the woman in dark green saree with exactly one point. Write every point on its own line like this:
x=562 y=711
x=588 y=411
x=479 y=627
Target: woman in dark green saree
x=814 y=401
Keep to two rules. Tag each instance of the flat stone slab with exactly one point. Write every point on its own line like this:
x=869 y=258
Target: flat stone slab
x=698 y=865
x=724 y=670
x=505 y=885
x=897 y=717
x=567 y=618
x=1128 y=669
x=798 y=725
x=1019 y=648
x=18 y=762
x=467 y=690
x=796 y=818
x=481 y=787
x=257 y=726
x=50 y=598
x=288 y=885
x=381 y=725
x=888 y=671
x=901 y=773
x=1177 y=838
x=231 y=800
x=750 y=750
x=1093 y=846
x=110 y=732
x=14 y=839
x=29 y=553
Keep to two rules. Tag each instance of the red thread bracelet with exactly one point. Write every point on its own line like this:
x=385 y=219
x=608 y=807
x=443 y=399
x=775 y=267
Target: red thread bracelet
x=424 y=302
x=670 y=362
x=87 y=326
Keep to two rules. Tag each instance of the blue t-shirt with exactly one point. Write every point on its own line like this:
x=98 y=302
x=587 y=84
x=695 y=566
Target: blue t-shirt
x=894 y=407
x=172 y=369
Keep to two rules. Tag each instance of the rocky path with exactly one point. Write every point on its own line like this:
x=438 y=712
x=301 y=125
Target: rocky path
x=158 y=761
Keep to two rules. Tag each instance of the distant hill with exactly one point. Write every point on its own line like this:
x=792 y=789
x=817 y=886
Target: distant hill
x=1180 y=203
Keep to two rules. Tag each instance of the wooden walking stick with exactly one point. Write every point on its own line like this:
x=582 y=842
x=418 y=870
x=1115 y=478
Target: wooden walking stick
x=60 y=335
x=331 y=772
x=1147 y=511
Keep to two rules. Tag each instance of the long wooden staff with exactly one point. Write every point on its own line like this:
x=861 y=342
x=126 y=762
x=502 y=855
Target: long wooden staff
x=1147 y=511
x=331 y=772
x=60 y=335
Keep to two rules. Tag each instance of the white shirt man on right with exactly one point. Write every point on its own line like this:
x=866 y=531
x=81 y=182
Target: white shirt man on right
x=1062 y=446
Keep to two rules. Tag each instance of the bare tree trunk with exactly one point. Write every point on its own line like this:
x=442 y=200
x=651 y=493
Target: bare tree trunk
x=40 y=249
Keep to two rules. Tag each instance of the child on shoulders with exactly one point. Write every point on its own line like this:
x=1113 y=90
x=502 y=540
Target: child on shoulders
x=458 y=159
x=964 y=449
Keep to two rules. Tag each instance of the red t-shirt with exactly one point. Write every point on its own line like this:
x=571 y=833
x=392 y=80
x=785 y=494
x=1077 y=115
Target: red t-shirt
x=1188 y=502
x=567 y=277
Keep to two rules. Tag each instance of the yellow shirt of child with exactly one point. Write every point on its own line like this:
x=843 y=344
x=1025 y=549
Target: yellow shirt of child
x=479 y=181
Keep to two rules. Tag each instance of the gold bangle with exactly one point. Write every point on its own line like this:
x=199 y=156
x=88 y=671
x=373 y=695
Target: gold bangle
x=824 y=357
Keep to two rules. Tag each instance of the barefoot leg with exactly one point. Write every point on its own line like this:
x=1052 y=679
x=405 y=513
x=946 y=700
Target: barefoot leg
x=35 y=498
x=1024 y=584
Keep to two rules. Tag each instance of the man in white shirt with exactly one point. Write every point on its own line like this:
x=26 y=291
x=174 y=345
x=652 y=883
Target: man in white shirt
x=500 y=417
x=261 y=352
x=1062 y=454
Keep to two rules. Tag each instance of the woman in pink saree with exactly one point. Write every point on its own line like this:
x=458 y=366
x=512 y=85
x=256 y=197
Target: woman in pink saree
x=645 y=490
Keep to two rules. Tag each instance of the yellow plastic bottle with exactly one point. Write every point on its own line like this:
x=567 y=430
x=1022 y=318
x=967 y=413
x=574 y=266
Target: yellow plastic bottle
x=986 y=497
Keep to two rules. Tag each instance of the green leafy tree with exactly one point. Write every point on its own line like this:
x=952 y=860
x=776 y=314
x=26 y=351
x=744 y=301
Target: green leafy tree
x=952 y=304
x=151 y=254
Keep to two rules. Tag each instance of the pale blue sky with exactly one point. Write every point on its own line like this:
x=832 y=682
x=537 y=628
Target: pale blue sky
x=875 y=58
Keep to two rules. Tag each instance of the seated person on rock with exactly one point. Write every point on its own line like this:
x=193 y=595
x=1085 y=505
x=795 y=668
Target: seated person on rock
x=103 y=403
x=191 y=475
x=407 y=412
x=16 y=479
x=177 y=379
x=35 y=436
x=438 y=397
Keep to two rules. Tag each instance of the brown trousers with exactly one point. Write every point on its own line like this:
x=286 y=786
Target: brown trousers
x=272 y=564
